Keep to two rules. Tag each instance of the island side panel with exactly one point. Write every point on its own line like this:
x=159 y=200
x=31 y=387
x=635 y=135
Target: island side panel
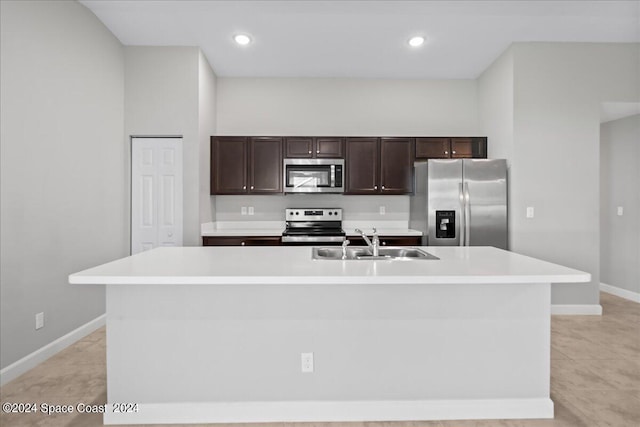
x=240 y=343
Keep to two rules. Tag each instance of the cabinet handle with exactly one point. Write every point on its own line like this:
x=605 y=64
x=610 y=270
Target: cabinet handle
x=383 y=187
x=384 y=243
x=317 y=151
x=375 y=187
x=454 y=151
x=241 y=243
x=446 y=152
x=244 y=187
x=309 y=151
x=252 y=187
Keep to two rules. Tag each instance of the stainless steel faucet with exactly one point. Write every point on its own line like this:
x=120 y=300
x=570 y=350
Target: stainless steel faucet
x=375 y=244
x=344 y=248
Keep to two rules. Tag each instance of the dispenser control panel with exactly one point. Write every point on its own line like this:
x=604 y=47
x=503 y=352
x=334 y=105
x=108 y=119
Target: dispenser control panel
x=445 y=224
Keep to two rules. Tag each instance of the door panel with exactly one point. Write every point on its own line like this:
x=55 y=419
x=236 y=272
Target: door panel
x=486 y=182
x=443 y=189
x=301 y=147
x=265 y=165
x=433 y=148
x=156 y=193
x=229 y=165
x=329 y=148
x=396 y=165
x=362 y=169
x=461 y=148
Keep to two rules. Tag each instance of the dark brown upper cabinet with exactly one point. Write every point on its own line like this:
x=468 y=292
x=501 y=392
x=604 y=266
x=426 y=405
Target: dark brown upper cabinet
x=379 y=165
x=451 y=148
x=362 y=166
x=229 y=165
x=306 y=147
x=396 y=165
x=246 y=165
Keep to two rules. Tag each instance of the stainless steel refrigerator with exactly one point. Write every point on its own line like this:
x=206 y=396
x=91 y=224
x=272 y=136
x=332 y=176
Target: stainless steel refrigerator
x=461 y=202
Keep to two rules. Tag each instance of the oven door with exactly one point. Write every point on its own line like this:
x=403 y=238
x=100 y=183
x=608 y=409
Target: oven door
x=313 y=176
x=299 y=240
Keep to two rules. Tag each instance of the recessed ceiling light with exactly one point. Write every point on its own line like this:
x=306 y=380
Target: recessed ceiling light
x=242 y=39
x=416 y=41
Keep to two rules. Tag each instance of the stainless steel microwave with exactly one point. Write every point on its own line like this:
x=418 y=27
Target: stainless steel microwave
x=313 y=175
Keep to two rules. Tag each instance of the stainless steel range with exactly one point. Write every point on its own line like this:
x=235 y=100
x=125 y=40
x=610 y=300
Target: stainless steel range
x=313 y=226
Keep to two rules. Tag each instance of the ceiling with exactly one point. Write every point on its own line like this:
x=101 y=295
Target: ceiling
x=363 y=39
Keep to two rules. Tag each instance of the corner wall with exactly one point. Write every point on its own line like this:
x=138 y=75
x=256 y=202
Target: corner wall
x=206 y=128
x=620 y=186
x=558 y=89
x=63 y=190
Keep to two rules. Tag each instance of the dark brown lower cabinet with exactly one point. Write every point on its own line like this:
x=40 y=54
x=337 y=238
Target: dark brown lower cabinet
x=389 y=240
x=241 y=241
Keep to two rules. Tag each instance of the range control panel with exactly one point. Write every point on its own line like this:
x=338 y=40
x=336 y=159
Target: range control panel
x=313 y=214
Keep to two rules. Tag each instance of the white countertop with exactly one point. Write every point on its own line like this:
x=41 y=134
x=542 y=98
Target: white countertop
x=276 y=265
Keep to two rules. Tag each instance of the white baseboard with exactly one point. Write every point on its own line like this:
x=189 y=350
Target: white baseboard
x=619 y=292
x=32 y=360
x=332 y=411
x=577 y=309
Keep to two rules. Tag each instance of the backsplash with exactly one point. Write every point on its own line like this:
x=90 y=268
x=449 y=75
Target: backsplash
x=271 y=208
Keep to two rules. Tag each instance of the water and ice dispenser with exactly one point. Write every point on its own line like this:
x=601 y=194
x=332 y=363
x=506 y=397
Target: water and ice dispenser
x=445 y=224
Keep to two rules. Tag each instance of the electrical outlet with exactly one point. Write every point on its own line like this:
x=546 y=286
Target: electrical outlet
x=530 y=212
x=39 y=320
x=620 y=211
x=243 y=210
x=383 y=210
x=307 y=362
x=250 y=210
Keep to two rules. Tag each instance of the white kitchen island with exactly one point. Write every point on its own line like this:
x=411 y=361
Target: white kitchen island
x=215 y=334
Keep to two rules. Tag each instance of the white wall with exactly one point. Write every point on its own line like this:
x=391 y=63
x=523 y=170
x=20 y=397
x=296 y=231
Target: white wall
x=356 y=208
x=63 y=157
x=162 y=99
x=272 y=106
x=558 y=89
x=206 y=128
x=343 y=107
x=620 y=186
x=495 y=111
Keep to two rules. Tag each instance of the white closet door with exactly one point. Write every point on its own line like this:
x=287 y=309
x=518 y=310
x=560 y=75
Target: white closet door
x=156 y=193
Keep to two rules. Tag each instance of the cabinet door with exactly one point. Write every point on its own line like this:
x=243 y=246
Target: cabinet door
x=388 y=240
x=299 y=147
x=362 y=168
x=240 y=241
x=265 y=165
x=396 y=165
x=433 y=148
x=330 y=148
x=479 y=147
x=228 y=165
x=461 y=148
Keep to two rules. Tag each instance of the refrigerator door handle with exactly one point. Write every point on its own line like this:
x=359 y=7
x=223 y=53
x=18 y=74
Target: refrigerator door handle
x=467 y=215
x=463 y=212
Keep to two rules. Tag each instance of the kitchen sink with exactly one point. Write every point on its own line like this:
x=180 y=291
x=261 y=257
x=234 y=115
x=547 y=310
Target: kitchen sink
x=365 y=253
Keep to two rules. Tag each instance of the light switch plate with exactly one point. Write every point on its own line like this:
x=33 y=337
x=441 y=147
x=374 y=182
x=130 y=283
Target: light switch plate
x=243 y=210
x=250 y=210
x=40 y=320
x=530 y=212
x=383 y=210
x=620 y=210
